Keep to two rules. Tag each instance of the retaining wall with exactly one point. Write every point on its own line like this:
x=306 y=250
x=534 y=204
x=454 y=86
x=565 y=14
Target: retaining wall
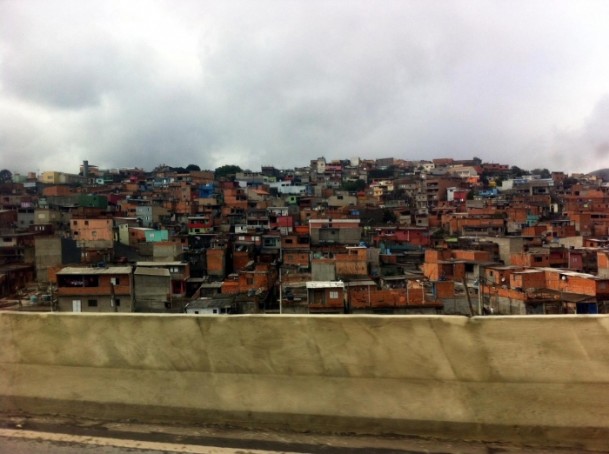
x=542 y=380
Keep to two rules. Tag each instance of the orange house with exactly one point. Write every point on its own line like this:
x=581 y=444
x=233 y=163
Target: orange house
x=295 y=250
x=353 y=263
x=530 y=259
x=93 y=233
x=326 y=296
x=216 y=262
x=259 y=279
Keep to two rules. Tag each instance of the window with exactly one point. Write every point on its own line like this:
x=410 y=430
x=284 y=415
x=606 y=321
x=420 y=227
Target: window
x=92 y=303
x=117 y=302
x=333 y=295
x=250 y=281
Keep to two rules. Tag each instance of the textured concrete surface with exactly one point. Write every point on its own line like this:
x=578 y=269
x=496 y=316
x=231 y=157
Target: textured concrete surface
x=541 y=380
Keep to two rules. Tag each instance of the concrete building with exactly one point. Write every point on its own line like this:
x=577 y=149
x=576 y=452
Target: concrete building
x=53 y=252
x=335 y=231
x=179 y=271
x=152 y=289
x=87 y=289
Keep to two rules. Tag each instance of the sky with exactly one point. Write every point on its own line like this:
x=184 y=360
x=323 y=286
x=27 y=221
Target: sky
x=129 y=83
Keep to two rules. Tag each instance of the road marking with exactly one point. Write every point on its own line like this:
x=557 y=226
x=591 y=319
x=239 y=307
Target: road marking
x=132 y=444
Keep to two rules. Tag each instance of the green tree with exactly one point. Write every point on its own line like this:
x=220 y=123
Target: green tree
x=381 y=173
x=193 y=168
x=569 y=182
x=543 y=173
x=226 y=171
x=516 y=171
x=389 y=217
x=6 y=176
x=354 y=186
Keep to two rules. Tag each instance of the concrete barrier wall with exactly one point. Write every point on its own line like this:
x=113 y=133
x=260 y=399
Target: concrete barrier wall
x=536 y=379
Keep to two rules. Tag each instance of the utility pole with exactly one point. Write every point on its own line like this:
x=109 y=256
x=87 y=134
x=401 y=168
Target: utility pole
x=280 y=292
x=469 y=301
x=480 y=290
x=113 y=297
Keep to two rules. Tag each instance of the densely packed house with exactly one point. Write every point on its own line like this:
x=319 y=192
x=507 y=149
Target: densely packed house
x=385 y=236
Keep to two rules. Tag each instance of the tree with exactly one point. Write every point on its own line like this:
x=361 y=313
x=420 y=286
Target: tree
x=389 y=217
x=517 y=171
x=161 y=168
x=381 y=173
x=226 y=171
x=6 y=176
x=354 y=186
x=543 y=173
x=193 y=168
x=569 y=182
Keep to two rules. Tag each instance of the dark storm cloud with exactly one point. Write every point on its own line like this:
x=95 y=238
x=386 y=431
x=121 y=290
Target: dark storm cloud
x=127 y=84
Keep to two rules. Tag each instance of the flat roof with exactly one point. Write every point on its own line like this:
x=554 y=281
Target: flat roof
x=339 y=221
x=160 y=264
x=505 y=267
x=90 y=270
x=568 y=272
x=148 y=271
x=325 y=284
x=4 y=235
x=360 y=283
x=529 y=271
x=207 y=284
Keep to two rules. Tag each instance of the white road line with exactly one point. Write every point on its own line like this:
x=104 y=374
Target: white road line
x=132 y=444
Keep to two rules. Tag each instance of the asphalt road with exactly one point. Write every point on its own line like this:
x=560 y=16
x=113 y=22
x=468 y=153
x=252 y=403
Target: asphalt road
x=19 y=435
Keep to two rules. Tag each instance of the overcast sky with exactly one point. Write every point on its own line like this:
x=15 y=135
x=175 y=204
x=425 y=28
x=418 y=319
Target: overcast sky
x=129 y=83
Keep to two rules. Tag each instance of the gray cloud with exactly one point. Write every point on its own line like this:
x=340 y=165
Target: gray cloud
x=127 y=84
x=586 y=147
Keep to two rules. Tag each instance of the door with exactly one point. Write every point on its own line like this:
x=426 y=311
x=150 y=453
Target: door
x=76 y=306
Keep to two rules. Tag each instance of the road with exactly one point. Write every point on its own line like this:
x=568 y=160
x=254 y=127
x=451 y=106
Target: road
x=19 y=435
